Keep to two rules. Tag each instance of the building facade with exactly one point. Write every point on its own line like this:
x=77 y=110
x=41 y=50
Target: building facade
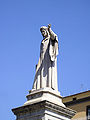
x=80 y=103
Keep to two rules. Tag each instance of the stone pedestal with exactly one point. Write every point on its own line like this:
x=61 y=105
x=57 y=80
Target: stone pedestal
x=44 y=94
x=43 y=104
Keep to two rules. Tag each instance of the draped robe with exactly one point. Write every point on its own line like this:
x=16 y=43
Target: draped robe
x=46 y=70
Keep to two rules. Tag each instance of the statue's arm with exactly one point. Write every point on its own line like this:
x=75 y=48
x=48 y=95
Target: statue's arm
x=38 y=65
x=53 y=36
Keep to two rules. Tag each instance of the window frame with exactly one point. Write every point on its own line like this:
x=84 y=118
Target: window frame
x=88 y=107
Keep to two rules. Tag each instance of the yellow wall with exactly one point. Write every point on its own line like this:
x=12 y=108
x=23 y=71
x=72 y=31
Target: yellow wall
x=78 y=96
x=80 y=108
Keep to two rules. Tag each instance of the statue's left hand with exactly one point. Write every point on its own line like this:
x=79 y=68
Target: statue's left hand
x=36 y=67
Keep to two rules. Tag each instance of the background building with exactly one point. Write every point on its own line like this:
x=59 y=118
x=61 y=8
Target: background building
x=81 y=103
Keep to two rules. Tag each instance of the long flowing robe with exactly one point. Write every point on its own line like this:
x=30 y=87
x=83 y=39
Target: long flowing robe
x=46 y=70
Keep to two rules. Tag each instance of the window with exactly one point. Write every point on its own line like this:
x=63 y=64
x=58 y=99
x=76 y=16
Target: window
x=74 y=98
x=88 y=112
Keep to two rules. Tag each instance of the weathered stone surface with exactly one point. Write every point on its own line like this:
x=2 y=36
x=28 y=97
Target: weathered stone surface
x=43 y=110
x=44 y=94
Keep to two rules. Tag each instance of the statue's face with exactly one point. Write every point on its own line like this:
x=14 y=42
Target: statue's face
x=44 y=33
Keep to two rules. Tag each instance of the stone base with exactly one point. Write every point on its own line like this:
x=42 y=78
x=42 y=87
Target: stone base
x=43 y=110
x=43 y=104
x=44 y=94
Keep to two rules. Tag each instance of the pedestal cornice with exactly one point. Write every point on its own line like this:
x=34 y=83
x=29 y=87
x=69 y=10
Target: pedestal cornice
x=43 y=106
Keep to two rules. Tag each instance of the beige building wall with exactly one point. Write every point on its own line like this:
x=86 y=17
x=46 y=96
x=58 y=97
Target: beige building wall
x=79 y=103
x=77 y=96
x=81 y=110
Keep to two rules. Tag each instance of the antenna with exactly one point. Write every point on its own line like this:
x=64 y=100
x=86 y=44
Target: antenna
x=81 y=87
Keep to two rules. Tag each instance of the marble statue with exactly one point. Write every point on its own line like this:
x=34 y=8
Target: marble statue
x=46 y=69
x=44 y=101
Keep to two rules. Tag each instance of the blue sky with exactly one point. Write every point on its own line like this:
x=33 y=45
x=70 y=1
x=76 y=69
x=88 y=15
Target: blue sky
x=20 y=38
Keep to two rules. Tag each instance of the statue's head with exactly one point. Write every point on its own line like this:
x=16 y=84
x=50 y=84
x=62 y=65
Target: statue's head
x=44 y=31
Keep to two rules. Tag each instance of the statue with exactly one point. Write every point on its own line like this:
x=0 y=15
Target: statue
x=46 y=69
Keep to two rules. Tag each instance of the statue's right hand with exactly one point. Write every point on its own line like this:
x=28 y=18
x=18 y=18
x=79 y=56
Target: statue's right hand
x=49 y=25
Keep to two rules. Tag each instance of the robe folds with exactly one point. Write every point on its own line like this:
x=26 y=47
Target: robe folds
x=46 y=70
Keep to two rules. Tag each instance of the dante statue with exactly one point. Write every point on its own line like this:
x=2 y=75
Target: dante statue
x=46 y=69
